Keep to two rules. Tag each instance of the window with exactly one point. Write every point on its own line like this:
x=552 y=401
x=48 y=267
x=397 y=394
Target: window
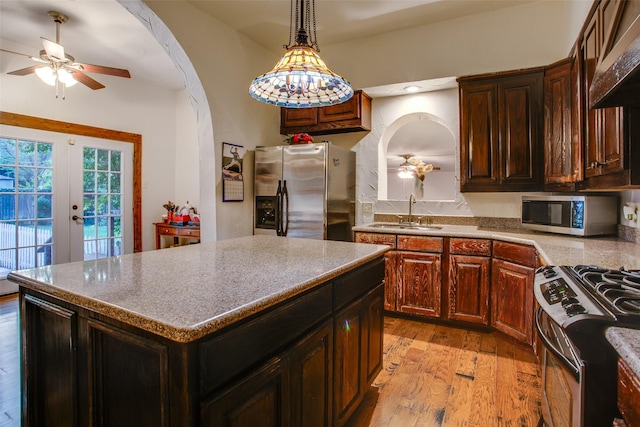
x=26 y=200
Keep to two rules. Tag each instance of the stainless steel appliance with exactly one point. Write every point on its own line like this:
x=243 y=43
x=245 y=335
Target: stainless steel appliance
x=305 y=190
x=576 y=305
x=584 y=215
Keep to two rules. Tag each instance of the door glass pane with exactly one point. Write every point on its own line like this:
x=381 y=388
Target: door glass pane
x=26 y=182
x=102 y=197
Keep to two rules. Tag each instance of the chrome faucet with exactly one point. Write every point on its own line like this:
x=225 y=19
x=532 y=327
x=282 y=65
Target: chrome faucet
x=412 y=200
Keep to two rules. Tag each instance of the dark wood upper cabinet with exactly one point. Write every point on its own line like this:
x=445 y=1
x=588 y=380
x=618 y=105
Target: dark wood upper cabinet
x=501 y=128
x=607 y=132
x=353 y=115
x=562 y=143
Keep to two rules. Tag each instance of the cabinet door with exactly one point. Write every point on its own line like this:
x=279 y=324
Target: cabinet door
x=390 y=282
x=129 y=377
x=348 y=362
x=604 y=137
x=419 y=283
x=520 y=123
x=374 y=334
x=512 y=299
x=469 y=288
x=559 y=146
x=49 y=363
x=479 y=136
x=311 y=363
x=294 y=117
x=261 y=399
x=347 y=110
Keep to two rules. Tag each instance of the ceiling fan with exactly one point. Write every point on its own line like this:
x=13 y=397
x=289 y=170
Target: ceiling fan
x=56 y=66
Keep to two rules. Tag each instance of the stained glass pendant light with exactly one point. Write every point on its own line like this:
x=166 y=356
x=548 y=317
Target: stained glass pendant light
x=301 y=79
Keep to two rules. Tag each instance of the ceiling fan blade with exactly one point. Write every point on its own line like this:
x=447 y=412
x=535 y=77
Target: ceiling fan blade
x=86 y=80
x=33 y=58
x=54 y=50
x=16 y=53
x=25 y=71
x=100 y=69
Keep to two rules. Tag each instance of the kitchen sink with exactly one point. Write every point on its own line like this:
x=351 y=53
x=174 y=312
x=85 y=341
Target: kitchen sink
x=393 y=225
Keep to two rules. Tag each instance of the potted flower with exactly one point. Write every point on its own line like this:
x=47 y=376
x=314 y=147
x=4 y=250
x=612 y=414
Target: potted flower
x=170 y=207
x=299 y=138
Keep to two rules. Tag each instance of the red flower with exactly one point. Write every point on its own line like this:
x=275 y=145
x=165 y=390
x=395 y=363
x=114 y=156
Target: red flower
x=299 y=138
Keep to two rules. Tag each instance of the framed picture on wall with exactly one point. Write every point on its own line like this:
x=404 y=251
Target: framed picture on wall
x=232 y=179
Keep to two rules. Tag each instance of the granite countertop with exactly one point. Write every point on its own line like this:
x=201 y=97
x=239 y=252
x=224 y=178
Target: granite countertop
x=627 y=344
x=555 y=249
x=188 y=292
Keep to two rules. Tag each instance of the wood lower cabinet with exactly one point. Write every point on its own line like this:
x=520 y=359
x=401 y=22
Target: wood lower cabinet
x=390 y=264
x=468 y=284
x=628 y=394
x=471 y=280
x=259 y=399
x=292 y=389
x=53 y=392
x=419 y=261
x=304 y=362
x=358 y=331
x=512 y=275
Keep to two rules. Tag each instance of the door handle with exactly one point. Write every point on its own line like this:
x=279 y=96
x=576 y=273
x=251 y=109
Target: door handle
x=77 y=218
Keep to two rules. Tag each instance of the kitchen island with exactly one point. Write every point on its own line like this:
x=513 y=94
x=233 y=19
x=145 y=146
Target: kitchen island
x=259 y=330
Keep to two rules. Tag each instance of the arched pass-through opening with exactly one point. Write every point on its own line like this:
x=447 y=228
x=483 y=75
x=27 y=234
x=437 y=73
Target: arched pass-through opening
x=199 y=103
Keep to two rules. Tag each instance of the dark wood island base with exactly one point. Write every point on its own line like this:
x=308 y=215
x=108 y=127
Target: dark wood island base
x=307 y=360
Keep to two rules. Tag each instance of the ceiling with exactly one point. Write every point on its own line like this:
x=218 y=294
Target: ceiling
x=102 y=32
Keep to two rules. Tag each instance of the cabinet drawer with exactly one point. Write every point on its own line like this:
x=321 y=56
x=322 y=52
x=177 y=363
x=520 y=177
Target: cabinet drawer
x=470 y=246
x=628 y=394
x=518 y=254
x=188 y=232
x=166 y=230
x=420 y=243
x=377 y=238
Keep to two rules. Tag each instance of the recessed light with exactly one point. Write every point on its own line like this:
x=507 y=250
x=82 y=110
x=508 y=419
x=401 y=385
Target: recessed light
x=412 y=89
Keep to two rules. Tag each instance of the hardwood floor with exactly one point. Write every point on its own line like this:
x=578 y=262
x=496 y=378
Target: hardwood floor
x=9 y=363
x=433 y=375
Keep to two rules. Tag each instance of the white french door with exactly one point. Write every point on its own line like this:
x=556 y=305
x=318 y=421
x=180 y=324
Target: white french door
x=46 y=180
x=100 y=199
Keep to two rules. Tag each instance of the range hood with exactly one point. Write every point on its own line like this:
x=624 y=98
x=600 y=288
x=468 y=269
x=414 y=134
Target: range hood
x=616 y=81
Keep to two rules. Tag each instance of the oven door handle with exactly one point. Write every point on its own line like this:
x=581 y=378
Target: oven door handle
x=575 y=370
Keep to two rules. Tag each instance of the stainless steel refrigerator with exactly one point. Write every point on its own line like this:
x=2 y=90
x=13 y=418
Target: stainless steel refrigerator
x=305 y=190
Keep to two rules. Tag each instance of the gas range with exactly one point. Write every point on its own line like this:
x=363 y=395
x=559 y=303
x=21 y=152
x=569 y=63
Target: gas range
x=589 y=293
x=577 y=304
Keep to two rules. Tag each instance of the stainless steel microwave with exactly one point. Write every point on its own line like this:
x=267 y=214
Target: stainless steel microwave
x=584 y=215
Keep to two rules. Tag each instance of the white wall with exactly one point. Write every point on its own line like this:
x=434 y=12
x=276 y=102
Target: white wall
x=533 y=34
x=137 y=108
x=226 y=62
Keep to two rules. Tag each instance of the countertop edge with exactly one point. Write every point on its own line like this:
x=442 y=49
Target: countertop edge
x=626 y=342
x=189 y=334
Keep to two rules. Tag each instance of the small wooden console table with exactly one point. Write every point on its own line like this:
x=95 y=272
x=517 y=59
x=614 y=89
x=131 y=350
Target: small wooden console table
x=175 y=231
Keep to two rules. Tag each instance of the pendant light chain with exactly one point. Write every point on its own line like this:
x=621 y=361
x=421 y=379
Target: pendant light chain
x=311 y=14
x=291 y=24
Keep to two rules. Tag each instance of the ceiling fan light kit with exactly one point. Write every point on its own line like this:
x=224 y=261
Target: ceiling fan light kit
x=301 y=79
x=406 y=169
x=58 y=68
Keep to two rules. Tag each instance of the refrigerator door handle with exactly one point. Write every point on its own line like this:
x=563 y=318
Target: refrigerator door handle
x=285 y=210
x=279 y=209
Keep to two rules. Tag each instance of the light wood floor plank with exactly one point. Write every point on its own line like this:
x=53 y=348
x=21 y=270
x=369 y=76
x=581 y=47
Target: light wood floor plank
x=453 y=378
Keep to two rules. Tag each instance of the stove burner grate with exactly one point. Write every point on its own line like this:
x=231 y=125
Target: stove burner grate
x=620 y=288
